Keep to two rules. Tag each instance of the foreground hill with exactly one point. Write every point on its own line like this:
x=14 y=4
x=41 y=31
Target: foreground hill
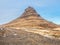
x=21 y=37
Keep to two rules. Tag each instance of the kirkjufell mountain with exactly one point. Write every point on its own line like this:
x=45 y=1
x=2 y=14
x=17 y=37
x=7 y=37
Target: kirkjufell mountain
x=30 y=18
x=29 y=29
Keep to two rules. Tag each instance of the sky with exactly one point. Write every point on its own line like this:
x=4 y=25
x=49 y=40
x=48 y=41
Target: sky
x=11 y=9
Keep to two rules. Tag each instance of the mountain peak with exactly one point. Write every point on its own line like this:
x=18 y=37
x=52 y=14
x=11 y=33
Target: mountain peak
x=30 y=18
x=30 y=11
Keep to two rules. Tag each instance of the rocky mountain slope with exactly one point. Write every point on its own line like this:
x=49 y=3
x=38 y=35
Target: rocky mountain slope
x=30 y=18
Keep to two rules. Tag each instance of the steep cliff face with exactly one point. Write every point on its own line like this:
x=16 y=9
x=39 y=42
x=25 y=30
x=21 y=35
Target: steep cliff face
x=30 y=18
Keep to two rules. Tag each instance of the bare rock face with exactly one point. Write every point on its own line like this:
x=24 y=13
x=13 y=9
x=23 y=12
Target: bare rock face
x=29 y=12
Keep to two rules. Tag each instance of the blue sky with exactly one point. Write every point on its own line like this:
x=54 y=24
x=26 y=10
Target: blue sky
x=11 y=9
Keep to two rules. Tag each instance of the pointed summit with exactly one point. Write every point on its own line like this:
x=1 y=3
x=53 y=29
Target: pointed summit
x=30 y=11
